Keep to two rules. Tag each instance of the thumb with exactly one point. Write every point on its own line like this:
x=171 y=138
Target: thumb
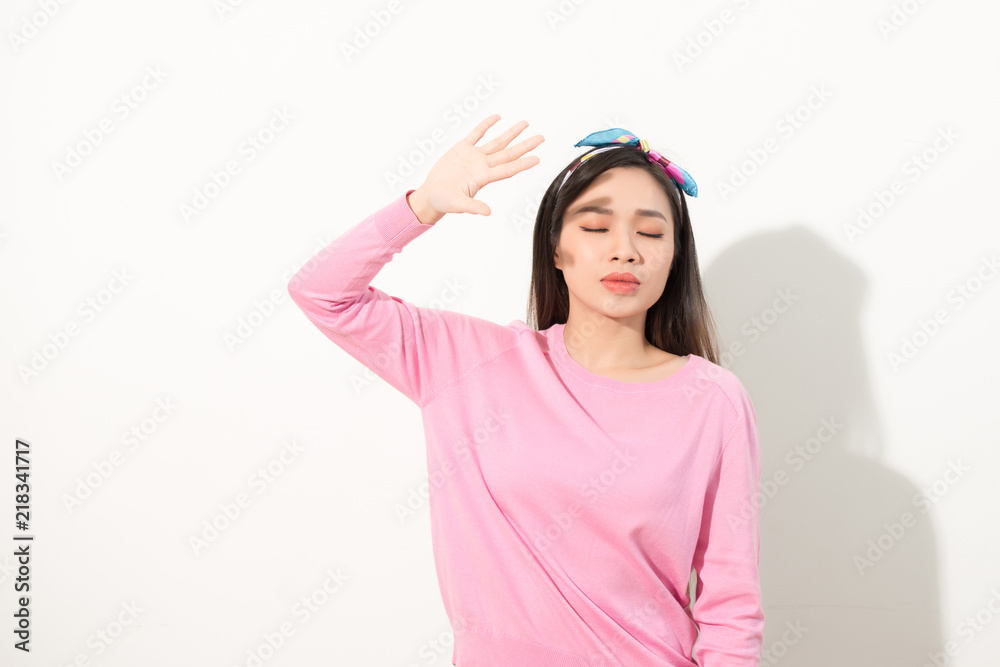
x=471 y=205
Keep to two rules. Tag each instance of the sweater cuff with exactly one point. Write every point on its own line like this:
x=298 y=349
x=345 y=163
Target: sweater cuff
x=398 y=224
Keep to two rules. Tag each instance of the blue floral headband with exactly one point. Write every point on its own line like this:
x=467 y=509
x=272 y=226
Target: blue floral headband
x=616 y=137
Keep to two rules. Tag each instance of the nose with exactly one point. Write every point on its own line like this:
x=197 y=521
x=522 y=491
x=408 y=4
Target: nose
x=623 y=245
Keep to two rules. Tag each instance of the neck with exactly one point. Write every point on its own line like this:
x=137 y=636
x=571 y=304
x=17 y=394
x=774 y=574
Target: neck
x=599 y=342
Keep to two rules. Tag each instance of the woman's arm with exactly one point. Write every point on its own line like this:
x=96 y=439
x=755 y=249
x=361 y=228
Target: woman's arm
x=386 y=334
x=421 y=208
x=417 y=350
x=727 y=607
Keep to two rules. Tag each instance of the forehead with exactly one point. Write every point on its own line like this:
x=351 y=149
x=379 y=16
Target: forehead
x=623 y=190
x=628 y=183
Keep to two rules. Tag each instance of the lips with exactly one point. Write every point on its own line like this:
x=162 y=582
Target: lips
x=621 y=278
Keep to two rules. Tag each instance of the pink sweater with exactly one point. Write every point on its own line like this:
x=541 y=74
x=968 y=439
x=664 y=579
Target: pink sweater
x=567 y=508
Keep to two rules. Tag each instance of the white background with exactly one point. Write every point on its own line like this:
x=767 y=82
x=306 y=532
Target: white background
x=164 y=334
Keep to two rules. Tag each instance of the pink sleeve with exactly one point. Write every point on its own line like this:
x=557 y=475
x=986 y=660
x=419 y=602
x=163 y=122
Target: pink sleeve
x=417 y=350
x=727 y=607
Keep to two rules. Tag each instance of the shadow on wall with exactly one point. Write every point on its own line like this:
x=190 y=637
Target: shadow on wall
x=848 y=560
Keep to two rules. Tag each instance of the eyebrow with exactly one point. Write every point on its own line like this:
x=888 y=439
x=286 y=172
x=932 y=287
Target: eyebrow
x=596 y=207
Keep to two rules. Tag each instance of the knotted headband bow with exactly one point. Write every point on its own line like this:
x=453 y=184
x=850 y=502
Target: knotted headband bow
x=616 y=137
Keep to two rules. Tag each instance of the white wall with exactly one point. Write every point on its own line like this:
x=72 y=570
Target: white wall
x=879 y=101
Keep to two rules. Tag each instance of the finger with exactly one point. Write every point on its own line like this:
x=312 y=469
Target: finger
x=514 y=152
x=508 y=169
x=479 y=130
x=470 y=205
x=505 y=138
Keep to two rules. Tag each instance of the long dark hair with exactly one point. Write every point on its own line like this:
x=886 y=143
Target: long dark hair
x=680 y=321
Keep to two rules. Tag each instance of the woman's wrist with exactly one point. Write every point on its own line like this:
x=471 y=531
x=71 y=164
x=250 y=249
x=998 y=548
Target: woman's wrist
x=424 y=213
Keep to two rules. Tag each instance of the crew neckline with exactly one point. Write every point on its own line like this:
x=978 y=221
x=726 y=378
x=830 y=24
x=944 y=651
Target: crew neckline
x=562 y=356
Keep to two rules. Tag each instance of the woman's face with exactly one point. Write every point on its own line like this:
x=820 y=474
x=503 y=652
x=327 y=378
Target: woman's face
x=634 y=235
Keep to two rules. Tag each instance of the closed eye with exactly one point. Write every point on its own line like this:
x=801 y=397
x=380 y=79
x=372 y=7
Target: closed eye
x=652 y=236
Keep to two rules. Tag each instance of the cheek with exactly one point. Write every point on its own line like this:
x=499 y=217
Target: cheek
x=665 y=258
x=564 y=259
x=571 y=256
x=657 y=262
x=664 y=252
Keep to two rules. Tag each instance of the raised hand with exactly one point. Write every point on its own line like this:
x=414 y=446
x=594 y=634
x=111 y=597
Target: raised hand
x=454 y=180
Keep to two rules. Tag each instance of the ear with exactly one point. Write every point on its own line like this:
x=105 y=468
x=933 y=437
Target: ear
x=555 y=259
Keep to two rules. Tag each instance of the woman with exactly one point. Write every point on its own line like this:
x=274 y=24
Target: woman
x=584 y=467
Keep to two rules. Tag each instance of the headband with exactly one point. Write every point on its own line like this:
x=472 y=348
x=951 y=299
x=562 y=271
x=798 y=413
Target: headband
x=616 y=137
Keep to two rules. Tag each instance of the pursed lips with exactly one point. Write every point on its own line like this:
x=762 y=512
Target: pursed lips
x=620 y=278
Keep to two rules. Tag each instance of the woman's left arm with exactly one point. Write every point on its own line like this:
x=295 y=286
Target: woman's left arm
x=727 y=607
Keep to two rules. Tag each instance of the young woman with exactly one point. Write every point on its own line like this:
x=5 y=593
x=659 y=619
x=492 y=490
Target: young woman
x=584 y=467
